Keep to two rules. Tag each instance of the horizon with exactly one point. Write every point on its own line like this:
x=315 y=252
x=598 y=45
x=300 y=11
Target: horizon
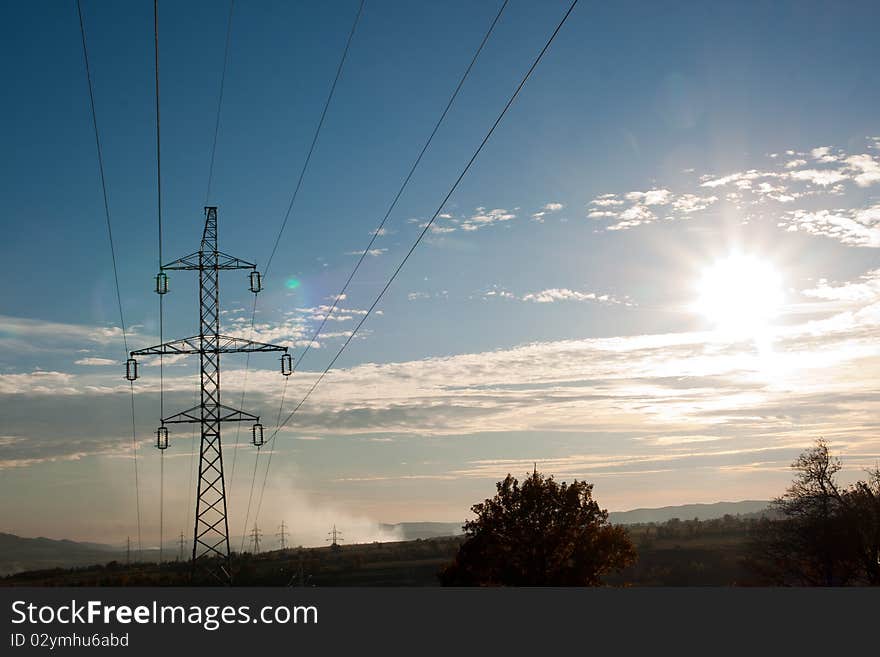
x=387 y=538
x=660 y=275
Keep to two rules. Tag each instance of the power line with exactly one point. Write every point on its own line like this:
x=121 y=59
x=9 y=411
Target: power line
x=113 y=258
x=290 y=206
x=315 y=138
x=381 y=225
x=403 y=185
x=220 y=101
x=158 y=283
x=421 y=235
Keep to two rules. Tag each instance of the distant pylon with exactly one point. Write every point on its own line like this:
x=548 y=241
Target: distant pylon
x=127 y=550
x=180 y=550
x=335 y=537
x=282 y=535
x=256 y=535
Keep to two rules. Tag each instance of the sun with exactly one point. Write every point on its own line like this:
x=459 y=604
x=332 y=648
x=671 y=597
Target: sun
x=740 y=295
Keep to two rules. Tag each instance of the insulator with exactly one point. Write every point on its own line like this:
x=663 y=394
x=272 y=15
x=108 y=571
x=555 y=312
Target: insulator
x=257 y=432
x=256 y=281
x=162 y=437
x=286 y=365
x=161 y=283
x=131 y=369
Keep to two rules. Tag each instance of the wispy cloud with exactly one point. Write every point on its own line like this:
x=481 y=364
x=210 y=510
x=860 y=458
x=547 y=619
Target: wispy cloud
x=805 y=184
x=668 y=391
x=96 y=361
x=545 y=210
x=551 y=295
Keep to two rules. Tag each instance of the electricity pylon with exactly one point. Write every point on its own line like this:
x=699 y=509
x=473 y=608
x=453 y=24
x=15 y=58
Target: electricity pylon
x=211 y=532
x=335 y=536
x=256 y=536
x=282 y=535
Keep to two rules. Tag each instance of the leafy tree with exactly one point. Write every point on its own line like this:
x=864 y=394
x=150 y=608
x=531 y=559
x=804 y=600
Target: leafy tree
x=539 y=533
x=826 y=534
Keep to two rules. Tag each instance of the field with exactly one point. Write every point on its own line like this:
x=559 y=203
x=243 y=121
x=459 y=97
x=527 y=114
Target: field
x=674 y=553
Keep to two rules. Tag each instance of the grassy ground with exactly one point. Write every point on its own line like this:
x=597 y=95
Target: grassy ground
x=676 y=553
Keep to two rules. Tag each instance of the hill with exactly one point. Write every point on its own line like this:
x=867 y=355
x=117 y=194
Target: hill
x=18 y=554
x=689 y=512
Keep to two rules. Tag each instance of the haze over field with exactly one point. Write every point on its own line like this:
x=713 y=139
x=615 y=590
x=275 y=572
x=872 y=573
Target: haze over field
x=660 y=276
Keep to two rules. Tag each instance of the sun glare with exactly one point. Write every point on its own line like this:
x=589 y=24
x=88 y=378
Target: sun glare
x=740 y=295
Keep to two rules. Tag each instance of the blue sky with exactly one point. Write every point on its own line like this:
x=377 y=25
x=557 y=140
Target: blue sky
x=549 y=316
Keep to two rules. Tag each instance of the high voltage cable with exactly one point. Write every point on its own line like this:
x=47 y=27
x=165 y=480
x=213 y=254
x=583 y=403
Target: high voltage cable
x=290 y=206
x=403 y=185
x=220 y=100
x=113 y=258
x=161 y=296
x=315 y=138
x=294 y=196
x=421 y=235
x=381 y=225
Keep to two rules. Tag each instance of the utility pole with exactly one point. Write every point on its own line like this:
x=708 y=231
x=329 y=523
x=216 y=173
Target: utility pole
x=211 y=532
x=282 y=535
x=180 y=548
x=335 y=537
x=256 y=535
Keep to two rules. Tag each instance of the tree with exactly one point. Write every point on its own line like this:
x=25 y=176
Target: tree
x=539 y=533
x=826 y=534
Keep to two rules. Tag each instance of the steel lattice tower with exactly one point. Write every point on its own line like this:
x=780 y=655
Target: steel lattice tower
x=211 y=531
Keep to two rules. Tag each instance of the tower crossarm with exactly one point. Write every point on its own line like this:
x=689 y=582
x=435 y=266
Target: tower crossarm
x=226 y=344
x=224 y=261
x=225 y=414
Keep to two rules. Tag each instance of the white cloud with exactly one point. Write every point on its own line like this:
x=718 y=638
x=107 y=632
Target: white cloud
x=864 y=290
x=867 y=167
x=498 y=292
x=606 y=200
x=823 y=154
x=651 y=197
x=634 y=216
x=371 y=252
x=96 y=361
x=564 y=294
x=482 y=218
x=823 y=177
x=854 y=227
x=545 y=210
x=688 y=203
